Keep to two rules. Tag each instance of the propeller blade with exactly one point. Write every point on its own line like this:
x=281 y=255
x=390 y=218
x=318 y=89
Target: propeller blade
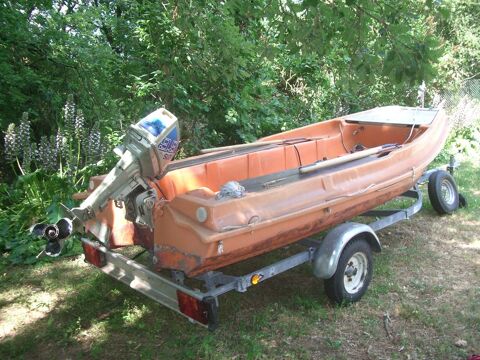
x=53 y=248
x=38 y=229
x=55 y=234
x=65 y=228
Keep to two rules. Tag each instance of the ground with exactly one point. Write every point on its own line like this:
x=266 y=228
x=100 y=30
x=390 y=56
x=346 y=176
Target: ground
x=423 y=303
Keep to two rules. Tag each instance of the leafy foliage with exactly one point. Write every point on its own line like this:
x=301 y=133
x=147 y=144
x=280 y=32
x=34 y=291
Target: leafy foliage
x=463 y=107
x=232 y=71
x=34 y=197
x=457 y=23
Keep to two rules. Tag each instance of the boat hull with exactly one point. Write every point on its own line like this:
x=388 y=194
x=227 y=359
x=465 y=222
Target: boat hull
x=277 y=235
x=290 y=212
x=195 y=232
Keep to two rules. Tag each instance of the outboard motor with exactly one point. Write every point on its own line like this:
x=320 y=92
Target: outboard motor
x=148 y=148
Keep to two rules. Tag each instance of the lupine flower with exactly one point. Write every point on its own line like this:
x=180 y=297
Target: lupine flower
x=11 y=143
x=69 y=116
x=39 y=152
x=53 y=160
x=94 y=144
x=23 y=134
x=60 y=144
x=28 y=153
x=72 y=147
x=64 y=147
x=45 y=154
x=79 y=125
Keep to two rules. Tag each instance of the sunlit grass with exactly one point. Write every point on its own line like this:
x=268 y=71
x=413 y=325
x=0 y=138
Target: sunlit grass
x=417 y=281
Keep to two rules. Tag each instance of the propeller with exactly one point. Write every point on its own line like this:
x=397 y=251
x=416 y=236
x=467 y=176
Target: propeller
x=55 y=234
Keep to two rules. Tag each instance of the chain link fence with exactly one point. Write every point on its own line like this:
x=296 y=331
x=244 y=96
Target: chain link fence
x=462 y=104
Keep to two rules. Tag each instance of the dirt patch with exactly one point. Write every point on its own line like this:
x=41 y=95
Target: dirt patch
x=15 y=316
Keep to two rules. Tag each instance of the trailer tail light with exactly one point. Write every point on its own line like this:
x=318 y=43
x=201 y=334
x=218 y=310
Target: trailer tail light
x=192 y=307
x=93 y=255
x=204 y=311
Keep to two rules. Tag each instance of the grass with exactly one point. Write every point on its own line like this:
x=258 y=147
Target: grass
x=427 y=280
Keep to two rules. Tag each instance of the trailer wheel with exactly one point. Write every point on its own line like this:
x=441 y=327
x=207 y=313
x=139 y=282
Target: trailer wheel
x=353 y=274
x=443 y=192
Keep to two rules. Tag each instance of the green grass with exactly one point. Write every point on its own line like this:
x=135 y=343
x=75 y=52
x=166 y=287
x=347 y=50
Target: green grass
x=416 y=280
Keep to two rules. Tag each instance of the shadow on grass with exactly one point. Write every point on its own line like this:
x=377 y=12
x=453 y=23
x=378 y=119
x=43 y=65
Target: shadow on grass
x=101 y=318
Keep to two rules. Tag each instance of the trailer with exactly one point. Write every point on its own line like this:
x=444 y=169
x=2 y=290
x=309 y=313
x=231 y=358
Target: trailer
x=343 y=258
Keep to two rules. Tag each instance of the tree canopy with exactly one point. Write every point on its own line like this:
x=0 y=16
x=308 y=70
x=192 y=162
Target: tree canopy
x=74 y=73
x=231 y=70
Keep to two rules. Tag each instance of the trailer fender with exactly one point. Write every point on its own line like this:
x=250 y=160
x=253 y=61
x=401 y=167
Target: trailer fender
x=326 y=257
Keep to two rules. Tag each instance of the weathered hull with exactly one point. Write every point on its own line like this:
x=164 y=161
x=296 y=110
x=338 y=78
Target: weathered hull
x=280 y=234
x=280 y=206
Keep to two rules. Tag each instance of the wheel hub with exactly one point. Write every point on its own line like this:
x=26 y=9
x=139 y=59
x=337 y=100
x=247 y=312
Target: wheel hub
x=351 y=270
x=447 y=191
x=355 y=273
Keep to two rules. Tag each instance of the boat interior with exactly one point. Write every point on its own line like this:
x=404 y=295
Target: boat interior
x=255 y=166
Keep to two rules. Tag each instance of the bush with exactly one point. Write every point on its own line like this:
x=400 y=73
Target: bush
x=34 y=197
x=50 y=172
x=464 y=116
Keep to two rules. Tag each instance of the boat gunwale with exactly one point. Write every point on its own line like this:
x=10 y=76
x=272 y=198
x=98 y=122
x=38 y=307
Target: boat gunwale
x=225 y=154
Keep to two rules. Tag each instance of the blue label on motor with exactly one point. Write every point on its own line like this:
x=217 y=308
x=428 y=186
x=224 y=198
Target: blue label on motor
x=154 y=126
x=169 y=145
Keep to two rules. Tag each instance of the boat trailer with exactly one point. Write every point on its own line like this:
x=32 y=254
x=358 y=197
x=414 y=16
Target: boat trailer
x=201 y=307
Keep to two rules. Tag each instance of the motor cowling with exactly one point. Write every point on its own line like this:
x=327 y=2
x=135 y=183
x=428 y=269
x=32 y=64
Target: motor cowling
x=154 y=142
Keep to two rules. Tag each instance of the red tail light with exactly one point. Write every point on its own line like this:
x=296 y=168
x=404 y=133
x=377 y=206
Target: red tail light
x=192 y=307
x=93 y=255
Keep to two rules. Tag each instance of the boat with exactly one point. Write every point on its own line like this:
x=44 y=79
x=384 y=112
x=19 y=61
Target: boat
x=232 y=203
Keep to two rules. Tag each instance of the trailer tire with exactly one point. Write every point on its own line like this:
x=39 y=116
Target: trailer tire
x=353 y=274
x=443 y=192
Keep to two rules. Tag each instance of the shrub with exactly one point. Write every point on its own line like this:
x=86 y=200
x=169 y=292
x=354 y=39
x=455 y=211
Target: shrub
x=49 y=172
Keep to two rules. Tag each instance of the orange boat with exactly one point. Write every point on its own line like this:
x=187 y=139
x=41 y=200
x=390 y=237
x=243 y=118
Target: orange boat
x=237 y=202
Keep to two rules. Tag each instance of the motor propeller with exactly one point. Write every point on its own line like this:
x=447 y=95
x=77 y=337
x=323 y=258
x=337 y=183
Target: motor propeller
x=55 y=234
